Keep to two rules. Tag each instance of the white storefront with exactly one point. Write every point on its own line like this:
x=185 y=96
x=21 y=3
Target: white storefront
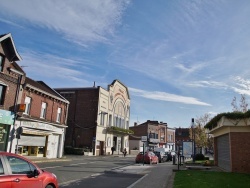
x=39 y=139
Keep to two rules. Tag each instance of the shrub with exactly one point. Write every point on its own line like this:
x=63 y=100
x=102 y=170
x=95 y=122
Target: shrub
x=199 y=156
x=74 y=151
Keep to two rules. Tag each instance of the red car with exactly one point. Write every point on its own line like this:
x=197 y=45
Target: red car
x=149 y=158
x=18 y=172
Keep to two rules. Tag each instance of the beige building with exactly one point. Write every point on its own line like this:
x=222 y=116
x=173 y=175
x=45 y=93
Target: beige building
x=98 y=118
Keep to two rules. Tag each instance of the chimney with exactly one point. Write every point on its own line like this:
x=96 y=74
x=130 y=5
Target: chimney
x=135 y=124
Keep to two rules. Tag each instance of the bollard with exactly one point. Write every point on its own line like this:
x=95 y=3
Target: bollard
x=173 y=159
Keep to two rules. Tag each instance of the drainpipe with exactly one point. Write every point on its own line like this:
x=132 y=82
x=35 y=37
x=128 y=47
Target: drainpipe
x=15 y=105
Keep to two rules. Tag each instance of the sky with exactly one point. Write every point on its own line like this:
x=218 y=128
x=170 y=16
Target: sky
x=179 y=59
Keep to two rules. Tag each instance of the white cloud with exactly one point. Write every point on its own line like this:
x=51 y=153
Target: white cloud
x=46 y=66
x=78 y=21
x=162 y=96
x=209 y=84
x=242 y=86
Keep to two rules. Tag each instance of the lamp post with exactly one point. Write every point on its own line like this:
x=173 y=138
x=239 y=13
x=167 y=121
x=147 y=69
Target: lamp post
x=193 y=138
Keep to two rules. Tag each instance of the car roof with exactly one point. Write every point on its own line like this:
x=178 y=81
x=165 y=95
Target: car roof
x=16 y=155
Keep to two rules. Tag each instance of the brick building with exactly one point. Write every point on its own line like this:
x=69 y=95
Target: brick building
x=231 y=143
x=182 y=135
x=97 y=117
x=11 y=77
x=43 y=121
x=158 y=134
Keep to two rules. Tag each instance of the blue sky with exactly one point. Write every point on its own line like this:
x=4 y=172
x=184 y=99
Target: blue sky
x=179 y=59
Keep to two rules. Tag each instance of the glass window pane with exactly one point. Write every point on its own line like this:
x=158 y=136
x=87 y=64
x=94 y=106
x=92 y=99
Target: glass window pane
x=19 y=166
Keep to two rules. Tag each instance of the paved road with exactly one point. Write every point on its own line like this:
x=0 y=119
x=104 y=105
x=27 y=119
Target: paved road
x=117 y=172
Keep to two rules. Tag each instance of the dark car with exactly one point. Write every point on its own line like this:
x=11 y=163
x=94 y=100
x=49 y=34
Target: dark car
x=149 y=158
x=17 y=171
x=169 y=156
x=161 y=156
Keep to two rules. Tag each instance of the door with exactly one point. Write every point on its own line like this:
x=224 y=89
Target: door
x=53 y=143
x=224 y=160
x=101 y=148
x=21 y=174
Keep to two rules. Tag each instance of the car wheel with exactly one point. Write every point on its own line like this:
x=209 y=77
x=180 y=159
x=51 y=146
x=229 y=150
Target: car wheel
x=49 y=186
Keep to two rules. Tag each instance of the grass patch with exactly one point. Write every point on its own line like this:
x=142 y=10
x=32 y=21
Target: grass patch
x=196 y=179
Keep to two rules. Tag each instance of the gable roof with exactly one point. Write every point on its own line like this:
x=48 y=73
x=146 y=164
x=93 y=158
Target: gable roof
x=116 y=80
x=9 y=40
x=44 y=88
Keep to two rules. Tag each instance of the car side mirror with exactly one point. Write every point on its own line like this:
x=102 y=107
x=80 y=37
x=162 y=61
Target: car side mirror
x=35 y=173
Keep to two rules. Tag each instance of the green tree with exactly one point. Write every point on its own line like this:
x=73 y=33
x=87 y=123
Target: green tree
x=202 y=138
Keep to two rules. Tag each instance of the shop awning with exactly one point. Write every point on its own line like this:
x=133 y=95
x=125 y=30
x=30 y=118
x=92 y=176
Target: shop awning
x=32 y=140
x=31 y=131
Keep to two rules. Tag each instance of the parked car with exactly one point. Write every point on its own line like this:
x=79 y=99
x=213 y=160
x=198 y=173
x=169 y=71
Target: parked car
x=161 y=156
x=149 y=158
x=17 y=171
x=169 y=156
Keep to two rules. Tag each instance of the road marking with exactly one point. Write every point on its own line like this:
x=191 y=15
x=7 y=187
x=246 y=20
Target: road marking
x=64 y=165
x=132 y=185
x=79 y=180
x=52 y=167
x=77 y=164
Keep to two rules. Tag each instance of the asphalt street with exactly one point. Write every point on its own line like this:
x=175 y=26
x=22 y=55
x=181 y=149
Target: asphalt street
x=108 y=171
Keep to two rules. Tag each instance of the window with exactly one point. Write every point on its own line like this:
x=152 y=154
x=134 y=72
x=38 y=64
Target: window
x=20 y=166
x=110 y=120
x=27 y=105
x=43 y=110
x=127 y=126
x=109 y=142
x=2 y=94
x=102 y=118
x=59 y=113
x=1 y=168
x=1 y=62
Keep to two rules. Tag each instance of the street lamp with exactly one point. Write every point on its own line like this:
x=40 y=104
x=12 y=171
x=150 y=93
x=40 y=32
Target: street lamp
x=193 y=138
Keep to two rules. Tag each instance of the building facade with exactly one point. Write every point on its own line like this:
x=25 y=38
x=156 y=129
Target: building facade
x=158 y=135
x=181 y=135
x=42 y=123
x=98 y=118
x=170 y=139
x=11 y=78
x=231 y=142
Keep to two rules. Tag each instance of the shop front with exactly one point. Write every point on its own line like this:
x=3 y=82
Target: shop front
x=40 y=139
x=6 y=120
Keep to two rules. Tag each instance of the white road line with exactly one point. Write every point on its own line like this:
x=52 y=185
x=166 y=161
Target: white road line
x=64 y=165
x=78 y=180
x=132 y=185
x=52 y=167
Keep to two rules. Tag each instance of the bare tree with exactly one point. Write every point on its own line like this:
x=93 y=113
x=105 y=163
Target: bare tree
x=243 y=104
x=234 y=105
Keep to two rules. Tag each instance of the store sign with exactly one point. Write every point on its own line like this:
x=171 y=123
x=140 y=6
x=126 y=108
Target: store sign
x=144 y=138
x=36 y=125
x=153 y=140
x=7 y=117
